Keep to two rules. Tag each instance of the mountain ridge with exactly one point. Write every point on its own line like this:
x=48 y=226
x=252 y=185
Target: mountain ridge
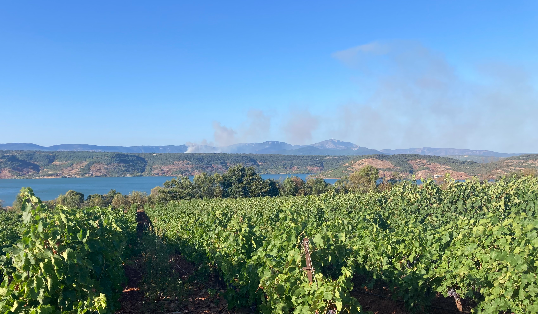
x=327 y=147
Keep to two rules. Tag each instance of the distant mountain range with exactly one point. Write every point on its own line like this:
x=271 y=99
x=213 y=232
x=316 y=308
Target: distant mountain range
x=329 y=147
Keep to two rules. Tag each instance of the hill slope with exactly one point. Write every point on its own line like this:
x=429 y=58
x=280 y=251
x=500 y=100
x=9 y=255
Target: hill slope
x=426 y=166
x=40 y=164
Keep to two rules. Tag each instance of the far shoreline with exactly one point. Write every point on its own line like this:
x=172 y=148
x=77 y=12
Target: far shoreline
x=175 y=176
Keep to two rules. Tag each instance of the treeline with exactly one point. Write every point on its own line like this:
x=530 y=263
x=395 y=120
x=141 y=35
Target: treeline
x=243 y=182
x=74 y=199
x=238 y=182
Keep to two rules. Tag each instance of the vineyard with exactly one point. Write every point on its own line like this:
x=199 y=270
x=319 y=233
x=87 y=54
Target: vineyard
x=473 y=242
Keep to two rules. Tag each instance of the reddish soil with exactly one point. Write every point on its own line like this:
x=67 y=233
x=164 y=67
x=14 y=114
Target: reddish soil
x=14 y=173
x=74 y=170
x=200 y=297
x=379 y=164
x=132 y=299
x=5 y=174
x=98 y=170
x=177 y=166
x=435 y=170
x=314 y=169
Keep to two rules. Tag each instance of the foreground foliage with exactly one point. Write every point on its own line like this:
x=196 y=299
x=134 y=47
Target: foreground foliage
x=471 y=240
x=9 y=228
x=67 y=261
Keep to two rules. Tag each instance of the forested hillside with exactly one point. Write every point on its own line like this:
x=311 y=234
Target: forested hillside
x=424 y=166
x=41 y=164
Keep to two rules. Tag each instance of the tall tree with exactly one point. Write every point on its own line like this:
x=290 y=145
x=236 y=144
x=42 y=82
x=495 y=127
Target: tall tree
x=72 y=199
x=364 y=180
x=316 y=186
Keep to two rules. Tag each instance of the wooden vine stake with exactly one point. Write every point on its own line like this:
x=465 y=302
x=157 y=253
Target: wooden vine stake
x=309 y=269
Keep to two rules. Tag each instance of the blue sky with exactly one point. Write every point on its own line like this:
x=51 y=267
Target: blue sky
x=381 y=74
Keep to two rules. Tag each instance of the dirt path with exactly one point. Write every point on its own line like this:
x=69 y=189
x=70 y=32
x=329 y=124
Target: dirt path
x=143 y=294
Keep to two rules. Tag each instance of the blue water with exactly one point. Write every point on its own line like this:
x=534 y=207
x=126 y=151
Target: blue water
x=49 y=189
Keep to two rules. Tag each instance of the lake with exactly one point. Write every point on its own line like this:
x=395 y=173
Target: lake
x=49 y=189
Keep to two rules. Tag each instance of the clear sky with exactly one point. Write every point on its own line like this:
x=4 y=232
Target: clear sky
x=381 y=74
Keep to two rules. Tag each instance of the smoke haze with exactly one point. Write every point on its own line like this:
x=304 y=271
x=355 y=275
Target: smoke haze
x=299 y=126
x=418 y=99
x=411 y=96
x=256 y=128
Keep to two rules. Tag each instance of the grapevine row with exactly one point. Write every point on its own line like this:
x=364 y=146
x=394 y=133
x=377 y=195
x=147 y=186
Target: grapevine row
x=66 y=260
x=468 y=239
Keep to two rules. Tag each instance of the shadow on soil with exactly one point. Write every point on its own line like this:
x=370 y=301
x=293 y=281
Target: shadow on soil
x=375 y=295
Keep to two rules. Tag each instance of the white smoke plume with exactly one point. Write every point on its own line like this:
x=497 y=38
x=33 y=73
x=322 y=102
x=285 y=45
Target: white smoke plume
x=202 y=147
x=223 y=136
